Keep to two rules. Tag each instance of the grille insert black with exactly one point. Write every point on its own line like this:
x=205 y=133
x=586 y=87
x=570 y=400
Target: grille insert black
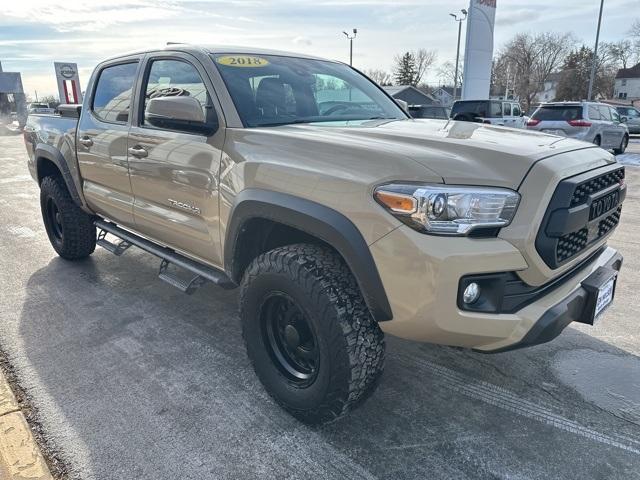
x=609 y=223
x=582 y=191
x=582 y=210
x=570 y=245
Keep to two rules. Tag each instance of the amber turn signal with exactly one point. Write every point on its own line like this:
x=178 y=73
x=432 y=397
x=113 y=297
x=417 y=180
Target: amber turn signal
x=397 y=202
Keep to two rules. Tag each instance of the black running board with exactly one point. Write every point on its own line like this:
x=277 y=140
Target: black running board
x=168 y=256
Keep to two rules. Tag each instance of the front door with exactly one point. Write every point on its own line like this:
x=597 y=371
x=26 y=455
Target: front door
x=174 y=174
x=102 y=141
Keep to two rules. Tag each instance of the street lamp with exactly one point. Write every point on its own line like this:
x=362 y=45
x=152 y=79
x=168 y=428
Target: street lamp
x=351 y=37
x=595 y=54
x=459 y=20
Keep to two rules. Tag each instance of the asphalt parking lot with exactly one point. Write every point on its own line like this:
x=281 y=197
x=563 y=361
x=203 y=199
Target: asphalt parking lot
x=132 y=379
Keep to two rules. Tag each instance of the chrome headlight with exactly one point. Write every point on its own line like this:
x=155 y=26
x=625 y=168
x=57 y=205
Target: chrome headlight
x=449 y=209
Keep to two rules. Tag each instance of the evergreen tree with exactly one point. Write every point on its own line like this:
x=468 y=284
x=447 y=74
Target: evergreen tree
x=405 y=72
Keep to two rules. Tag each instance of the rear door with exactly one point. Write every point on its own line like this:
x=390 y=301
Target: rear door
x=558 y=119
x=620 y=129
x=174 y=173
x=610 y=136
x=102 y=140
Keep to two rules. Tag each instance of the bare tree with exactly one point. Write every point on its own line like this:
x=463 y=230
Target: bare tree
x=634 y=33
x=380 y=77
x=447 y=72
x=531 y=59
x=621 y=52
x=423 y=59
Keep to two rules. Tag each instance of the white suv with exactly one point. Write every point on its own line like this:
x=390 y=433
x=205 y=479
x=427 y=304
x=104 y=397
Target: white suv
x=495 y=112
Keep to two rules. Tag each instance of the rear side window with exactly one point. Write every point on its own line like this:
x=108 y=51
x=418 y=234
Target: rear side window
x=594 y=113
x=516 y=110
x=496 y=109
x=507 y=109
x=478 y=108
x=605 y=112
x=112 y=96
x=558 y=113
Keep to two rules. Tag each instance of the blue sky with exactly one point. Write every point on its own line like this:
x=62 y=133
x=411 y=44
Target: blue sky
x=35 y=33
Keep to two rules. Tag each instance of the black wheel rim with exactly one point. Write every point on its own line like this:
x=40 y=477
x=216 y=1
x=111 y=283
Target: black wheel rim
x=54 y=219
x=290 y=339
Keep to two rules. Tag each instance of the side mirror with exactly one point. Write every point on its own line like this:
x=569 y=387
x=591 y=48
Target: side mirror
x=403 y=105
x=178 y=113
x=624 y=119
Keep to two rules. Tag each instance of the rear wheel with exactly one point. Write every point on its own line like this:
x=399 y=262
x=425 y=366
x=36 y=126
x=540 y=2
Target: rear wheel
x=70 y=230
x=623 y=145
x=308 y=332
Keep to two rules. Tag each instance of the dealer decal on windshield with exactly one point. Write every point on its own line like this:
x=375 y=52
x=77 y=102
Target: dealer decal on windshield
x=242 y=61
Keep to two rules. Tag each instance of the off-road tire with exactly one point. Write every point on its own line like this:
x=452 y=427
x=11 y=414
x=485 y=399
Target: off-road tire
x=350 y=342
x=623 y=145
x=78 y=237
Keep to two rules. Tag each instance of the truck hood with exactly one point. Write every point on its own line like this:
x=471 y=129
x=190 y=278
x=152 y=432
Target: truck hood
x=461 y=153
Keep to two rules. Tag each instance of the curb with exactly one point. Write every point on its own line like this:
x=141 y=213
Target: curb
x=20 y=456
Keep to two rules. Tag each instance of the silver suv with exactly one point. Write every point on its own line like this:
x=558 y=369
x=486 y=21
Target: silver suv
x=592 y=122
x=630 y=116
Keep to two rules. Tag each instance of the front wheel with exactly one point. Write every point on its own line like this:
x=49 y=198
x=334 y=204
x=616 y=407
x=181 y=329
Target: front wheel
x=623 y=145
x=308 y=332
x=70 y=230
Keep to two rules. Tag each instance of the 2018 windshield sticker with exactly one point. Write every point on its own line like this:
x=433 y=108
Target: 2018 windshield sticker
x=242 y=61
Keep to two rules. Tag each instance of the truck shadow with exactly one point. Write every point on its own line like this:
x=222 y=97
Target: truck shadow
x=133 y=379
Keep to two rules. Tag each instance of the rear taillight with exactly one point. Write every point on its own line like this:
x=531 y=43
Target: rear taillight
x=532 y=123
x=579 y=123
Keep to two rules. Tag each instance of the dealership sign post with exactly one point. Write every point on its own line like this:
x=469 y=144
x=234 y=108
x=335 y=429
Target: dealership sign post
x=478 y=52
x=68 y=82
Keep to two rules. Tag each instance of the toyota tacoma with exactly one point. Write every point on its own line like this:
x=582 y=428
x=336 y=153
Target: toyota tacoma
x=339 y=217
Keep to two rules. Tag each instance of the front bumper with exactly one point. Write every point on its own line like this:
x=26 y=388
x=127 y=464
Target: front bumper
x=421 y=276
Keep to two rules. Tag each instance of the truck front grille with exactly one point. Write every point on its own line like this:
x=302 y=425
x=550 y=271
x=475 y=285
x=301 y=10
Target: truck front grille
x=583 y=209
x=582 y=191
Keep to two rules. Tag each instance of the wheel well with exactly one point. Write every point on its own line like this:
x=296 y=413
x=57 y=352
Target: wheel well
x=46 y=168
x=259 y=235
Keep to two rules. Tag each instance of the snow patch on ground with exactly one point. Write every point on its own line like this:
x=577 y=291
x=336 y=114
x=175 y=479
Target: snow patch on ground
x=629 y=159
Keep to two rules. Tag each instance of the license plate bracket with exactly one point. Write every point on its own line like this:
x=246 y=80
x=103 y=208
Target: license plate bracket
x=601 y=287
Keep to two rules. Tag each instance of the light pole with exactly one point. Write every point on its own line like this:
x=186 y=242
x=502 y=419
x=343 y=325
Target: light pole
x=595 y=54
x=459 y=20
x=351 y=37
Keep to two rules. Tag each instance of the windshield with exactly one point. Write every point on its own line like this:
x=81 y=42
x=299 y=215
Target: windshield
x=274 y=90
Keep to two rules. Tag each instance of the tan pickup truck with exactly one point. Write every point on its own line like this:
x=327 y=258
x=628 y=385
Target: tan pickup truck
x=302 y=182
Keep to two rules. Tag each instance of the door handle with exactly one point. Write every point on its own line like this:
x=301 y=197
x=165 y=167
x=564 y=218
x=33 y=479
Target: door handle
x=86 y=141
x=137 y=151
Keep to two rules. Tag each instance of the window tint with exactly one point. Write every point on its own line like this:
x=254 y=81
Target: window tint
x=112 y=97
x=507 y=109
x=632 y=113
x=478 y=108
x=274 y=90
x=174 y=78
x=594 y=113
x=516 y=110
x=605 y=112
x=496 y=109
x=558 y=113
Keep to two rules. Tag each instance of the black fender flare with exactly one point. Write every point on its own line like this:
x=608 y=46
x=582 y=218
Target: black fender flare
x=52 y=154
x=319 y=221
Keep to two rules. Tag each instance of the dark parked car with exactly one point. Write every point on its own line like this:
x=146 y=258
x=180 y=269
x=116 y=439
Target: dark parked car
x=630 y=116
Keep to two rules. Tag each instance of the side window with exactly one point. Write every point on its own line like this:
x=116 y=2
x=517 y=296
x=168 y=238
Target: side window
x=516 y=110
x=614 y=115
x=594 y=113
x=112 y=96
x=175 y=78
x=605 y=112
x=633 y=113
x=506 y=109
x=496 y=109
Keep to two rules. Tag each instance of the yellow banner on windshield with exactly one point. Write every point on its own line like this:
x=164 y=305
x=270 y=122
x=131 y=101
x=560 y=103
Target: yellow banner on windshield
x=242 y=61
